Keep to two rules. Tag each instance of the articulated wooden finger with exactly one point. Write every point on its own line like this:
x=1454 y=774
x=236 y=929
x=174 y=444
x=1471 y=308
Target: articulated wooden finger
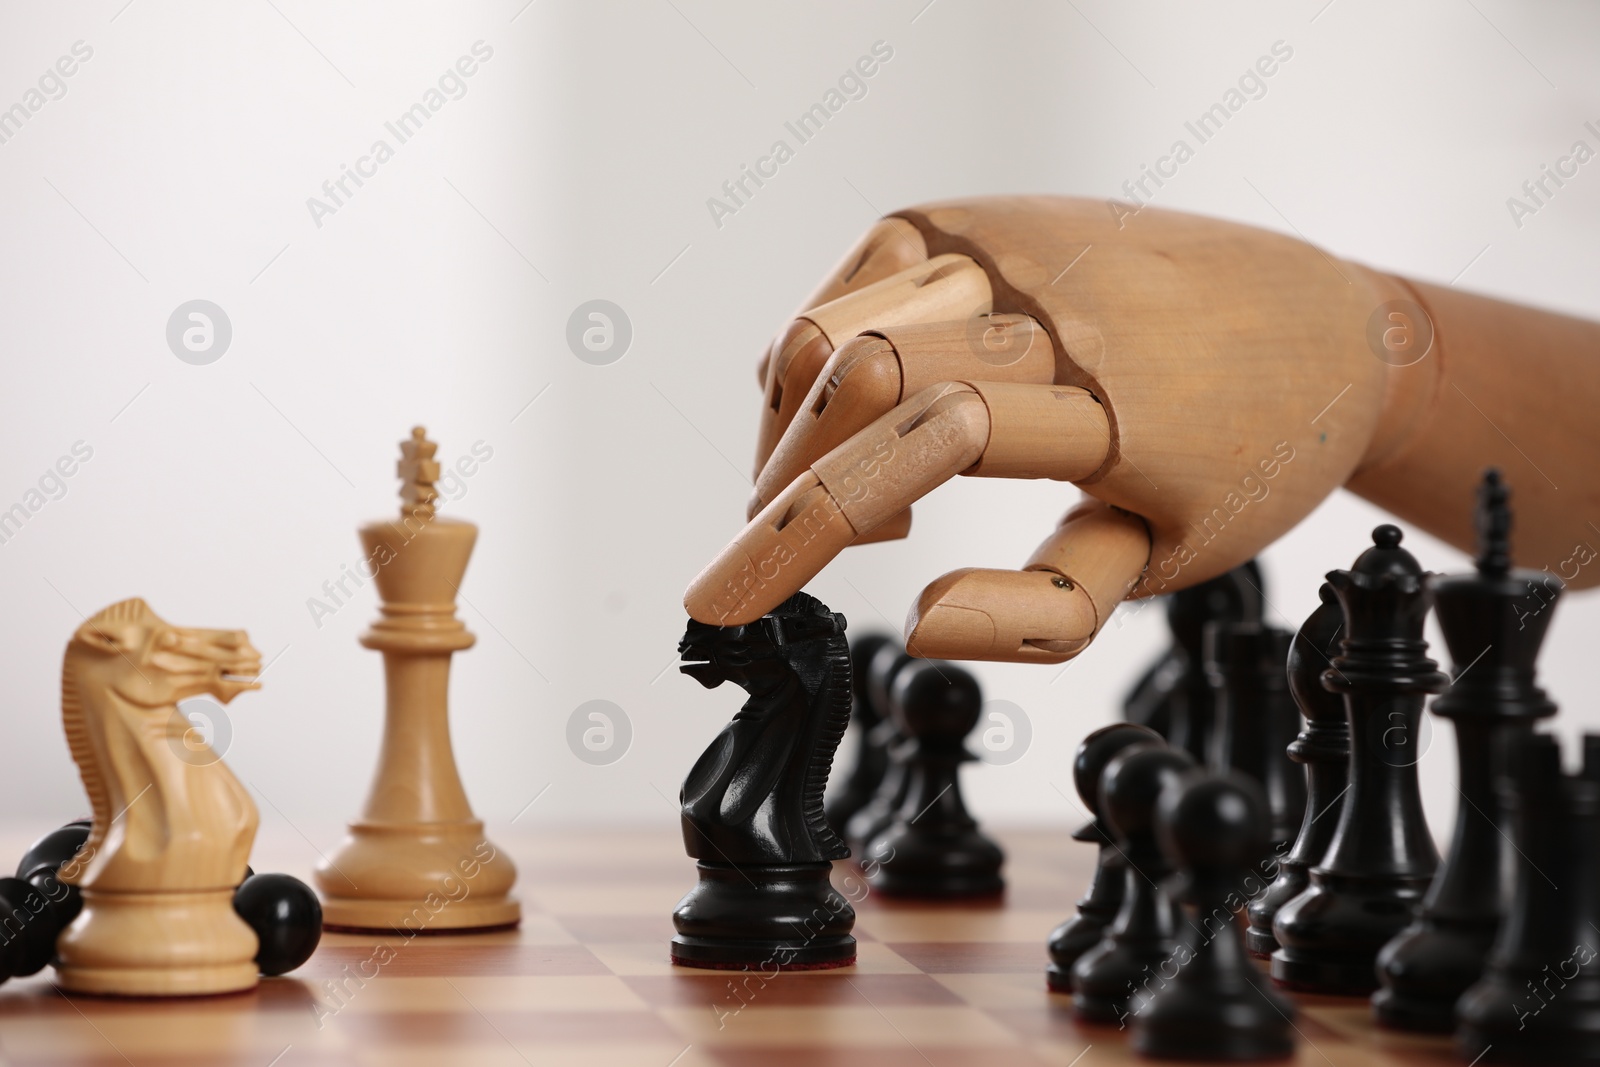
x=1011 y=616
x=947 y=287
x=865 y=482
x=1045 y=614
x=1101 y=550
x=872 y=373
x=889 y=247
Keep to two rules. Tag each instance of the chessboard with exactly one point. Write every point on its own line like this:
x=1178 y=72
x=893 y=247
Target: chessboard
x=586 y=980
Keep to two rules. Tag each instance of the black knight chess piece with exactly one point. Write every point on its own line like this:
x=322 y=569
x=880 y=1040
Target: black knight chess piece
x=1494 y=622
x=934 y=847
x=1099 y=905
x=1256 y=720
x=872 y=744
x=752 y=804
x=1216 y=1005
x=1539 y=998
x=1173 y=696
x=1114 y=979
x=1324 y=748
x=1382 y=857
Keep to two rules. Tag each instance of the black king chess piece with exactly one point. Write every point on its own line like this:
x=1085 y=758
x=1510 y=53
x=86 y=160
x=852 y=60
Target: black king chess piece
x=1216 y=1005
x=752 y=803
x=934 y=847
x=1494 y=622
x=1173 y=696
x=1256 y=720
x=1539 y=998
x=872 y=751
x=1099 y=905
x=1324 y=748
x=1382 y=857
x=1114 y=979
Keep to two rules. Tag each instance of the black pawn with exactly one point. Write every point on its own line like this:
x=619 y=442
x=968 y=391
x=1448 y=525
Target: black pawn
x=934 y=847
x=878 y=813
x=1216 y=1005
x=1494 y=622
x=872 y=751
x=1539 y=998
x=1382 y=857
x=286 y=916
x=1099 y=905
x=36 y=905
x=1324 y=748
x=1174 y=697
x=1115 y=978
x=1256 y=720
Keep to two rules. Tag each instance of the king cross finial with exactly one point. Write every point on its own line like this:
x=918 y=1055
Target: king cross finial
x=418 y=471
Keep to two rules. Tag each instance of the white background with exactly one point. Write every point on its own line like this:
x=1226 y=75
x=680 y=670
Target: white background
x=577 y=166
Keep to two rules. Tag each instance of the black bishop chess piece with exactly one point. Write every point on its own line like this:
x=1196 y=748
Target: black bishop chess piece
x=752 y=803
x=934 y=847
x=1323 y=746
x=1382 y=857
x=1539 y=998
x=1256 y=719
x=1494 y=622
x=1173 y=696
x=1099 y=905
x=1216 y=1005
x=875 y=816
x=872 y=749
x=1114 y=979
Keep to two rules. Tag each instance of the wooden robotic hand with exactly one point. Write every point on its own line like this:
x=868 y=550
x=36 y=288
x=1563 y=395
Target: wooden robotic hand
x=1206 y=384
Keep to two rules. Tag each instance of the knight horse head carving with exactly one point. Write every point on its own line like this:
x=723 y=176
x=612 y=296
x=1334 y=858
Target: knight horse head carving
x=168 y=814
x=755 y=795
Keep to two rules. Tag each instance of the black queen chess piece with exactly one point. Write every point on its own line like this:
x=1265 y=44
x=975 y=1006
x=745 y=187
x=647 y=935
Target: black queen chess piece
x=934 y=847
x=1381 y=858
x=1323 y=747
x=1099 y=905
x=1494 y=622
x=752 y=804
x=1217 y=1006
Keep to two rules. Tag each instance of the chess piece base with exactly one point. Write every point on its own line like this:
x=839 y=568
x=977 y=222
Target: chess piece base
x=417 y=879
x=1292 y=880
x=179 y=944
x=1188 y=1028
x=907 y=863
x=783 y=917
x=1330 y=935
x=1427 y=967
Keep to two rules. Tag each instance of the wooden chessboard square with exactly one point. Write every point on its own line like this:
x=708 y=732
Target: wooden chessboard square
x=734 y=991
